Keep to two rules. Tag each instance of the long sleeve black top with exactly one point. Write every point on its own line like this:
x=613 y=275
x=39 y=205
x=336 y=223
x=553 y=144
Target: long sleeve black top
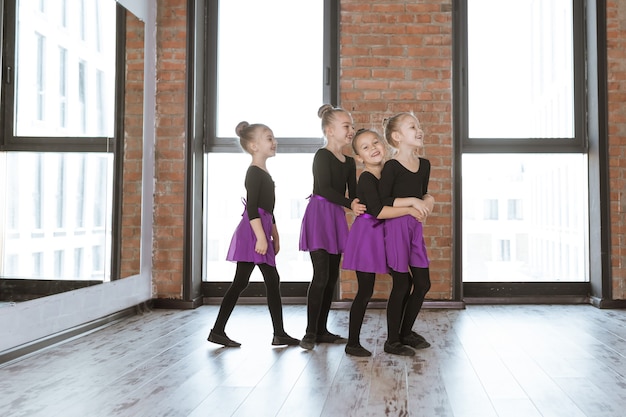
x=367 y=192
x=331 y=176
x=260 y=190
x=396 y=181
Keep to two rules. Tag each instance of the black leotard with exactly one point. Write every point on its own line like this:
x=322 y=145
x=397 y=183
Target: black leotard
x=330 y=177
x=396 y=181
x=260 y=192
x=367 y=192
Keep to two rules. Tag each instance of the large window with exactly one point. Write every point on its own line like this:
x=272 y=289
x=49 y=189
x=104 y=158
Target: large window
x=56 y=149
x=271 y=63
x=522 y=128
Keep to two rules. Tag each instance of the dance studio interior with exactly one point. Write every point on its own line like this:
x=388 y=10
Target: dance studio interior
x=122 y=181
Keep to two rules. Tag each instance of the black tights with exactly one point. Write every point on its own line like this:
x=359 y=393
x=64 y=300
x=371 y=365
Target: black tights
x=321 y=290
x=240 y=282
x=359 y=305
x=404 y=305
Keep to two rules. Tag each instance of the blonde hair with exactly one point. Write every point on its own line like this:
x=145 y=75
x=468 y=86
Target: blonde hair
x=328 y=114
x=392 y=124
x=247 y=133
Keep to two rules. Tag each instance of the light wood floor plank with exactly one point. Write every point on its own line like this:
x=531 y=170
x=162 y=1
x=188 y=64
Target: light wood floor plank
x=507 y=361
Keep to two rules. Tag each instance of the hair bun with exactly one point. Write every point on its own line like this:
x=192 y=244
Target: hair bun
x=241 y=127
x=324 y=109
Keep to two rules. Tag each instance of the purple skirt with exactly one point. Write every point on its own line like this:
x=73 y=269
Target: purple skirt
x=404 y=244
x=242 y=244
x=324 y=226
x=365 y=249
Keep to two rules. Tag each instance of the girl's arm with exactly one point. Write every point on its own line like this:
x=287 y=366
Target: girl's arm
x=261 y=241
x=323 y=174
x=418 y=204
x=253 y=189
x=275 y=239
x=393 y=212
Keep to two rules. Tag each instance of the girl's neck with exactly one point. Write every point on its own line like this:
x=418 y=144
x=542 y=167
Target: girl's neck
x=407 y=154
x=259 y=162
x=375 y=170
x=336 y=149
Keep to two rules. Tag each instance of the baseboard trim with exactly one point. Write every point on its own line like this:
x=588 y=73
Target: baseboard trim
x=607 y=304
x=551 y=299
x=22 y=351
x=175 y=304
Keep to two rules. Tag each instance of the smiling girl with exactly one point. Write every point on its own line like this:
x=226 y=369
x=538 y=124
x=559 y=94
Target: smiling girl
x=365 y=249
x=406 y=175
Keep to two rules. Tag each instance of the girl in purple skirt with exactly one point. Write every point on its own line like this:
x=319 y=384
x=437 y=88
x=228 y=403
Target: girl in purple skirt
x=255 y=241
x=365 y=248
x=405 y=175
x=324 y=227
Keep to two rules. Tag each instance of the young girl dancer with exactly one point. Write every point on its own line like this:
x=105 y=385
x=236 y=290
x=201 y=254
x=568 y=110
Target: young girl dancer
x=324 y=227
x=365 y=248
x=255 y=241
x=406 y=175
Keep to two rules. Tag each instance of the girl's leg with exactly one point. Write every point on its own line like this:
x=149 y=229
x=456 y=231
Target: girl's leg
x=359 y=305
x=240 y=282
x=320 y=260
x=421 y=285
x=275 y=305
x=400 y=287
x=327 y=297
x=274 y=302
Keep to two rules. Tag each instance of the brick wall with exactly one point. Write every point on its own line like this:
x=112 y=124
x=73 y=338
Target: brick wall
x=133 y=142
x=616 y=45
x=170 y=149
x=396 y=56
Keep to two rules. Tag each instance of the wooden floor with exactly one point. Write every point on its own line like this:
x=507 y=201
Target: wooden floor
x=484 y=361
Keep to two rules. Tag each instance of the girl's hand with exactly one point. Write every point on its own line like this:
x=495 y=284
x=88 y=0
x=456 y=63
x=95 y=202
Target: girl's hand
x=357 y=207
x=422 y=207
x=276 y=245
x=418 y=215
x=429 y=200
x=261 y=246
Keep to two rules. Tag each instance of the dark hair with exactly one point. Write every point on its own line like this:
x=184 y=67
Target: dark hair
x=328 y=113
x=390 y=125
x=246 y=132
x=359 y=133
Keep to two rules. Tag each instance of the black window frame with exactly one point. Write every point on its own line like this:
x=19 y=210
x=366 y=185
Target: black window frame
x=591 y=138
x=577 y=144
x=207 y=88
x=215 y=144
x=9 y=142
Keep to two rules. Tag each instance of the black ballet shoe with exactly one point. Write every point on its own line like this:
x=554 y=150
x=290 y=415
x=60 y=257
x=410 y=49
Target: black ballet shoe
x=357 y=350
x=418 y=336
x=397 y=348
x=328 y=337
x=222 y=339
x=415 y=340
x=308 y=341
x=285 y=339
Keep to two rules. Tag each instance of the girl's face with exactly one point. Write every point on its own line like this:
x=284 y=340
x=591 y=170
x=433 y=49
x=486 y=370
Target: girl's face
x=265 y=144
x=410 y=132
x=370 y=149
x=341 y=130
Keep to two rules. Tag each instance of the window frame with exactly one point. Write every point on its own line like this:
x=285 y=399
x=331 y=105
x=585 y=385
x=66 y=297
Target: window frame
x=12 y=142
x=9 y=142
x=591 y=95
x=330 y=94
x=204 y=62
x=578 y=144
